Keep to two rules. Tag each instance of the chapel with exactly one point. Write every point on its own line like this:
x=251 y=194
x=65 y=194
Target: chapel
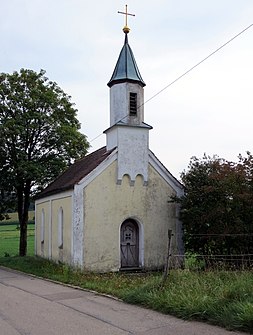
x=111 y=210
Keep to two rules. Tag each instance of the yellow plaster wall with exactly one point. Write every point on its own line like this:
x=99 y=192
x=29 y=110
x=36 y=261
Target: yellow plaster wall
x=64 y=254
x=42 y=248
x=107 y=205
x=51 y=209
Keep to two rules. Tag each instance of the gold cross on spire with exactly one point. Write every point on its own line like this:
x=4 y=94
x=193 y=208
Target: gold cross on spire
x=126 y=29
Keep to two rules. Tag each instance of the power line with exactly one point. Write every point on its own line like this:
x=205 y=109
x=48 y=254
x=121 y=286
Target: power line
x=203 y=60
x=188 y=71
x=96 y=137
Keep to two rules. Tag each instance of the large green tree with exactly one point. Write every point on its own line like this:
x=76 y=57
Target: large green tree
x=217 y=207
x=39 y=138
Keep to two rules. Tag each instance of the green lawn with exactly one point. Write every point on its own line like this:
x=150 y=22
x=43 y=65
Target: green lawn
x=9 y=240
x=224 y=298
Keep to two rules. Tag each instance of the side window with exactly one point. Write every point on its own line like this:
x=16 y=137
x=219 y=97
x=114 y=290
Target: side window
x=42 y=226
x=60 y=228
x=133 y=103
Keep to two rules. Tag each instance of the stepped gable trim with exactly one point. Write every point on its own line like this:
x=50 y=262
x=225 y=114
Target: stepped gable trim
x=76 y=172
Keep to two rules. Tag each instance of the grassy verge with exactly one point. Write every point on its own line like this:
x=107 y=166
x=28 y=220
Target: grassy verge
x=221 y=298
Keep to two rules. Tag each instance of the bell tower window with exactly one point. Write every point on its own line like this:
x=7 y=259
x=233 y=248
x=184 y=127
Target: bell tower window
x=133 y=104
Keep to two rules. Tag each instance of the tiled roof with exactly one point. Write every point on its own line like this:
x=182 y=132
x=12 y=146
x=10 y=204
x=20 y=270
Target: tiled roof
x=75 y=172
x=126 y=69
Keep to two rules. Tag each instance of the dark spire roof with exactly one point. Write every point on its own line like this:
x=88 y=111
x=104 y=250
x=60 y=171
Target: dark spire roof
x=126 y=69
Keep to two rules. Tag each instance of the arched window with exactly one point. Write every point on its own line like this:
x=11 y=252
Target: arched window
x=60 y=228
x=42 y=226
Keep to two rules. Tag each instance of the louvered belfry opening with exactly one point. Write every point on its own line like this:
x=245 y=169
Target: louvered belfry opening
x=133 y=104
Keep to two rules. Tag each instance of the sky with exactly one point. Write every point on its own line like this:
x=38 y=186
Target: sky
x=77 y=43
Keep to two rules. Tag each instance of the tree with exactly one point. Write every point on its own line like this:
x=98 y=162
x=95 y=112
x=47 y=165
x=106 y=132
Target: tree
x=217 y=207
x=39 y=137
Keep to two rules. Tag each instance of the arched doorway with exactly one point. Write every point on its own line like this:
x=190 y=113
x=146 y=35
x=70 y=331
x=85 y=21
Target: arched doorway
x=129 y=244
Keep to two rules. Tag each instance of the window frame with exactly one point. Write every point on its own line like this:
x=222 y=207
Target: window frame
x=42 y=226
x=60 y=228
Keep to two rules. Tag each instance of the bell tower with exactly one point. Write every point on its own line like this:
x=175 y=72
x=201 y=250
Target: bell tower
x=127 y=131
x=126 y=89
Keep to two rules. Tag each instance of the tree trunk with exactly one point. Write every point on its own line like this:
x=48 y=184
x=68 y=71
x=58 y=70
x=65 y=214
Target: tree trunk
x=23 y=208
x=23 y=238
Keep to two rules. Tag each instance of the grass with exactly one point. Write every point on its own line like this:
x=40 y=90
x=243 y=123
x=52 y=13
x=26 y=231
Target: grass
x=223 y=298
x=9 y=239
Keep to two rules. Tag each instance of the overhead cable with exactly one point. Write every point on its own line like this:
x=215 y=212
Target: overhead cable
x=188 y=71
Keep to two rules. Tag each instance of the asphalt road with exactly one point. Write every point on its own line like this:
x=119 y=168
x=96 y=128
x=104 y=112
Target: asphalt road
x=31 y=306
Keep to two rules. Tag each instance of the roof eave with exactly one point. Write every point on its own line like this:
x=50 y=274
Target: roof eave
x=125 y=80
x=53 y=192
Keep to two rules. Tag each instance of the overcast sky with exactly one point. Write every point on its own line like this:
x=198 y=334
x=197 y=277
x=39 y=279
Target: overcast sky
x=78 y=42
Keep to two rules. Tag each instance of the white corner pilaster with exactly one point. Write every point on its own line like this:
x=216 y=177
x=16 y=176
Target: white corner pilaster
x=78 y=226
x=50 y=231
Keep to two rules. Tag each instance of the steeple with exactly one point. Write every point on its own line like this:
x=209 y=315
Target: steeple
x=126 y=69
x=126 y=87
x=127 y=130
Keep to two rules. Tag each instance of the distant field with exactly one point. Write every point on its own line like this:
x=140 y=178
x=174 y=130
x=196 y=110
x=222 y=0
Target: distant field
x=9 y=240
x=14 y=217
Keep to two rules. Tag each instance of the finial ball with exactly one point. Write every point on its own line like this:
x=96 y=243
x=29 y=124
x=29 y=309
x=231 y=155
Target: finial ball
x=126 y=29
